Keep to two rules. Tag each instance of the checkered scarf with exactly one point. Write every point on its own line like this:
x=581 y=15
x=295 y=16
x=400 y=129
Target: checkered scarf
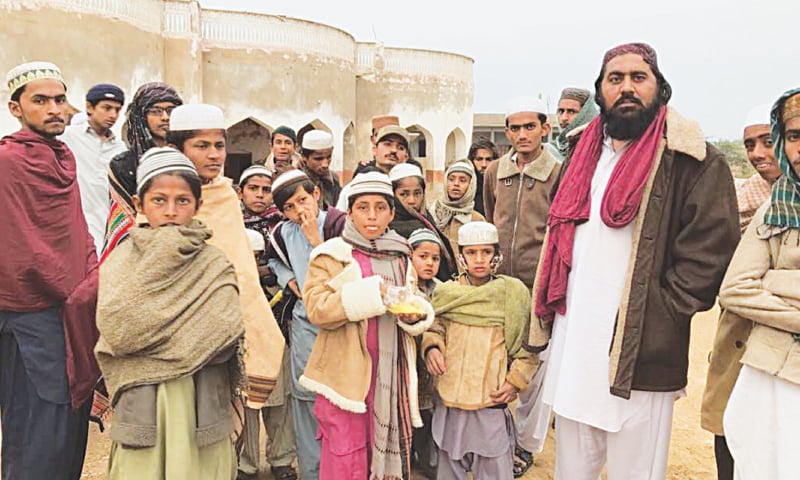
x=784 y=209
x=138 y=134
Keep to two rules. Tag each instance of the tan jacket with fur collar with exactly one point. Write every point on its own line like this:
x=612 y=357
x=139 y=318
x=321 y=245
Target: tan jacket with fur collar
x=340 y=301
x=761 y=286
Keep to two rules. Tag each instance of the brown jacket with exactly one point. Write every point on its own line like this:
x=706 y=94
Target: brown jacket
x=340 y=301
x=518 y=204
x=684 y=236
x=761 y=285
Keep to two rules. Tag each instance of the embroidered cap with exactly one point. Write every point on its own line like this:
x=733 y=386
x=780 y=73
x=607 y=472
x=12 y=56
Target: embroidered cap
x=24 y=74
x=317 y=140
x=160 y=160
x=198 y=116
x=252 y=171
x=477 y=233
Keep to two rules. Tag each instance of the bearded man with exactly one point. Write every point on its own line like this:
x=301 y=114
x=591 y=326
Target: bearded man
x=641 y=230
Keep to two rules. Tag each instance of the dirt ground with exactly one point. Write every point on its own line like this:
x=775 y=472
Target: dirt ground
x=691 y=455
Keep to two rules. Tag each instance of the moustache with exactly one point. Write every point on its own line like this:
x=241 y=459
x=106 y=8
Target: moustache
x=627 y=97
x=55 y=120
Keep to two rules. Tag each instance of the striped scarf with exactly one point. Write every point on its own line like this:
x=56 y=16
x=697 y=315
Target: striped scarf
x=387 y=256
x=784 y=208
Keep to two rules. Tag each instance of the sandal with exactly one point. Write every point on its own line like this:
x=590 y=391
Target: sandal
x=523 y=461
x=284 y=473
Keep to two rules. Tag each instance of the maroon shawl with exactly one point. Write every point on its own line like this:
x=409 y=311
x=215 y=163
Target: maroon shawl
x=47 y=249
x=572 y=204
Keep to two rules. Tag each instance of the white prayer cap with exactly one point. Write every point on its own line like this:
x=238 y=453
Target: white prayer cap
x=256 y=240
x=403 y=170
x=160 y=160
x=198 y=116
x=758 y=115
x=317 y=140
x=526 y=104
x=252 y=171
x=370 y=183
x=287 y=178
x=22 y=75
x=477 y=233
x=424 y=235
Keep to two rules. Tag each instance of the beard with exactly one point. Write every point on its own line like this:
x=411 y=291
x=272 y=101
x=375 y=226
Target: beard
x=628 y=124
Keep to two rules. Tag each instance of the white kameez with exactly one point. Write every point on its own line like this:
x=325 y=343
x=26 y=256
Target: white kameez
x=762 y=426
x=577 y=379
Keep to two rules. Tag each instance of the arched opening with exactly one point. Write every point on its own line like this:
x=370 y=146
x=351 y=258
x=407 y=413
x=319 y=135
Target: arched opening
x=248 y=143
x=315 y=124
x=349 y=156
x=455 y=147
x=421 y=144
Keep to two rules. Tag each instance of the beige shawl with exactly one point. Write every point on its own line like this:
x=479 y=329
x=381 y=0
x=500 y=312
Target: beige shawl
x=263 y=339
x=167 y=305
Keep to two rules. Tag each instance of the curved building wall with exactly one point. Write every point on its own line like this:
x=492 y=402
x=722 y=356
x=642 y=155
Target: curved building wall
x=432 y=92
x=263 y=70
x=92 y=41
x=280 y=71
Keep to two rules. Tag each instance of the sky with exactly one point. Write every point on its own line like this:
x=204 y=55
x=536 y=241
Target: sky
x=722 y=57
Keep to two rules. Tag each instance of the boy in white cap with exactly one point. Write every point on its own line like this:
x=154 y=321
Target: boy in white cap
x=198 y=131
x=734 y=330
x=475 y=350
x=517 y=195
x=363 y=364
x=315 y=160
x=260 y=214
x=754 y=191
x=47 y=254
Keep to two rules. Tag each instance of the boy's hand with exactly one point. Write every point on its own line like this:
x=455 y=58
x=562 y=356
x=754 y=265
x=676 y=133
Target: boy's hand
x=434 y=361
x=410 y=318
x=309 y=225
x=504 y=394
x=294 y=288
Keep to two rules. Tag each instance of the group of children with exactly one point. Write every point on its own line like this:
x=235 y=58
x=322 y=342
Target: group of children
x=393 y=357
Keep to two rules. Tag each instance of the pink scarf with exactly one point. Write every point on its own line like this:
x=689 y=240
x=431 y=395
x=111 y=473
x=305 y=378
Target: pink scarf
x=572 y=204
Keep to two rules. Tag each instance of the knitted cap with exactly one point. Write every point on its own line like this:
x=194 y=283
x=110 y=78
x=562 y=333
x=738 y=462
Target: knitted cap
x=424 y=235
x=317 y=140
x=370 y=183
x=105 y=91
x=477 y=233
x=286 y=132
x=290 y=177
x=252 y=171
x=526 y=104
x=160 y=160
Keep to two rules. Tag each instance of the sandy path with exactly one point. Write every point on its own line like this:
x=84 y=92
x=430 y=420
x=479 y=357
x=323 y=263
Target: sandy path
x=691 y=449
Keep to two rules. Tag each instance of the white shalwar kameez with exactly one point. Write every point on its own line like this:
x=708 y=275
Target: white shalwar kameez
x=593 y=427
x=762 y=426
